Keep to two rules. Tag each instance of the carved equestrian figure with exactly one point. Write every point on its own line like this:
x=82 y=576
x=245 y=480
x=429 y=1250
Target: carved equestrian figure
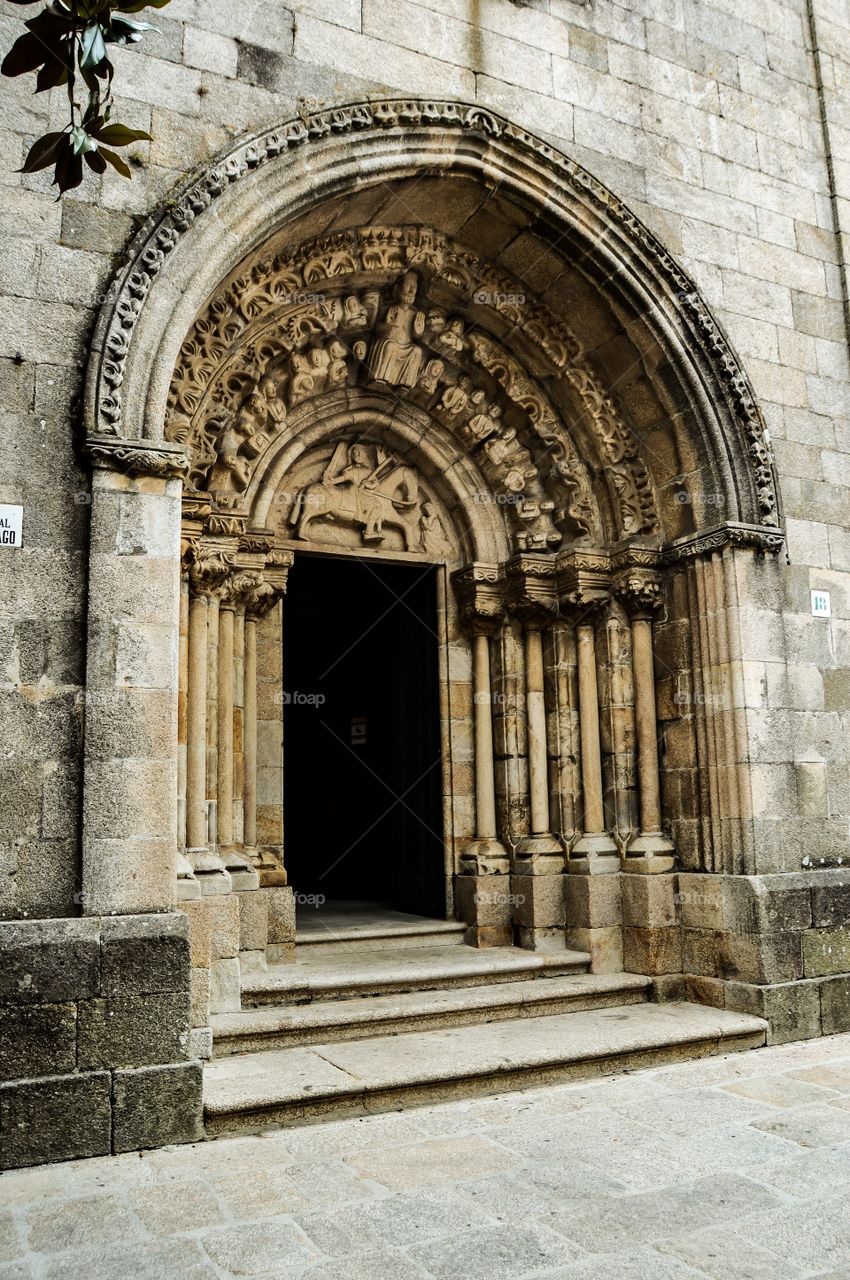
x=366 y=491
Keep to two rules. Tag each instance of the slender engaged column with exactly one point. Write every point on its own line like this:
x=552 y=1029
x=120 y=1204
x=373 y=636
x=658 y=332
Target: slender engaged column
x=650 y=851
x=196 y=727
x=209 y=869
x=540 y=851
x=595 y=852
x=250 y=736
x=224 y=812
x=485 y=783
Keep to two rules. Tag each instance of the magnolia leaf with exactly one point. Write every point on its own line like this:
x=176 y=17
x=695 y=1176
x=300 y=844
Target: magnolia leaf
x=41 y=153
x=69 y=167
x=116 y=162
x=118 y=135
x=95 y=161
x=92 y=47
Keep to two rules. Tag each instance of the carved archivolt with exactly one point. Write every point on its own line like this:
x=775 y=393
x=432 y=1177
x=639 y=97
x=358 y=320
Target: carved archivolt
x=404 y=310
x=513 y=147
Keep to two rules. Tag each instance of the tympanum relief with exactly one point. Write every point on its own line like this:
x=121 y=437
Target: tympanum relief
x=377 y=311
x=359 y=493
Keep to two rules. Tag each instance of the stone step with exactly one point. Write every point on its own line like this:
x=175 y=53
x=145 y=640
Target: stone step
x=330 y=976
x=331 y=937
x=275 y=1027
x=282 y=1086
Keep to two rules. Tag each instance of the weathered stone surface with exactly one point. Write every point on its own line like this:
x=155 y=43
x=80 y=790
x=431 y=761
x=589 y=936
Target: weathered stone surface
x=144 y=954
x=826 y=951
x=157 y=1105
x=652 y=950
x=59 y=1118
x=835 y=1005
x=792 y=1009
x=49 y=961
x=593 y=902
x=650 y=901
x=133 y=1031
x=37 y=1039
x=254 y=920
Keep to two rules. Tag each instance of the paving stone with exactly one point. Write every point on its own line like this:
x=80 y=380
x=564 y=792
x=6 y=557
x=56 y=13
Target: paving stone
x=645 y=1217
x=10 y=1245
x=175 y=1208
x=253 y=1249
x=80 y=1224
x=816 y=1126
x=780 y=1091
x=152 y=1260
x=433 y=1161
x=263 y=1195
x=713 y=1253
x=494 y=1253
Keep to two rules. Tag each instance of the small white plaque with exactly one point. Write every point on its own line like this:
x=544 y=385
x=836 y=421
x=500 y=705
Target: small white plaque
x=821 y=605
x=11 y=526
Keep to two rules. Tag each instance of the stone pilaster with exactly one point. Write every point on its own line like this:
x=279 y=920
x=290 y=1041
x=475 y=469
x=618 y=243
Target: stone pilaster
x=129 y=831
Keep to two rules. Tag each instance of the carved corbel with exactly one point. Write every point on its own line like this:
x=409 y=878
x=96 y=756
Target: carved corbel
x=479 y=589
x=209 y=568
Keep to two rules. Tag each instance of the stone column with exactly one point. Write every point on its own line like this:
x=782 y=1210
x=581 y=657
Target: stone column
x=129 y=828
x=595 y=851
x=483 y=888
x=187 y=885
x=537 y=881
x=650 y=852
x=206 y=574
x=242 y=874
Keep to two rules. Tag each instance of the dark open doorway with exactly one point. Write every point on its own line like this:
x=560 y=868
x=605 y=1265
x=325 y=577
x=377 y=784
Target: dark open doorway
x=362 y=800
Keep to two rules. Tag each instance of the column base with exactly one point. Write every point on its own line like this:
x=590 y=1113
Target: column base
x=485 y=903
x=593 y=855
x=650 y=853
x=210 y=872
x=187 y=886
x=485 y=856
x=243 y=874
x=539 y=855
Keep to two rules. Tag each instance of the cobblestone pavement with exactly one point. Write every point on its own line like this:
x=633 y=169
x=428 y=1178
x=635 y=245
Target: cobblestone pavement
x=736 y=1168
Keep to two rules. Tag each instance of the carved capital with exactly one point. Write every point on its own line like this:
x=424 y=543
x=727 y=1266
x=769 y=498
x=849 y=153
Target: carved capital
x=531 y=586
x=209 y=569
x=584 y=583
x=640 y=591
x=479 y=589
x=137 y=457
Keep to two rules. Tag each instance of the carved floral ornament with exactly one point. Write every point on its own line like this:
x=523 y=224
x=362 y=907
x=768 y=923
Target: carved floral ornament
x=510 y=147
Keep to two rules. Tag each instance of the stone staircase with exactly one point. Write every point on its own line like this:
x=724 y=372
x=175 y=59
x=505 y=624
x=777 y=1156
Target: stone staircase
x=373 y=1016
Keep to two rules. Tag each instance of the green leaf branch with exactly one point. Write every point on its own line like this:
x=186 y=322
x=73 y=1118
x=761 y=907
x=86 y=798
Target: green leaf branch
x=68 y=44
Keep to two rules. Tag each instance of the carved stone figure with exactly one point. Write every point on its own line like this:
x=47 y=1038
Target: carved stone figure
x=455 y=398
x=485 y=423
x=365 y=486
x=395 y=357
x=354 y=314
x=434 y=370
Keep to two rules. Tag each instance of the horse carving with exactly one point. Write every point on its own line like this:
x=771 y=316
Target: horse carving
x=366 y=487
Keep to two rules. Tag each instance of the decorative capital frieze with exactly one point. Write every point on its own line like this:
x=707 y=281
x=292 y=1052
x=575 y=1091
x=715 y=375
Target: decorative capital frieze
x=479 y=589
x=764 y=539
x=137 y=457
